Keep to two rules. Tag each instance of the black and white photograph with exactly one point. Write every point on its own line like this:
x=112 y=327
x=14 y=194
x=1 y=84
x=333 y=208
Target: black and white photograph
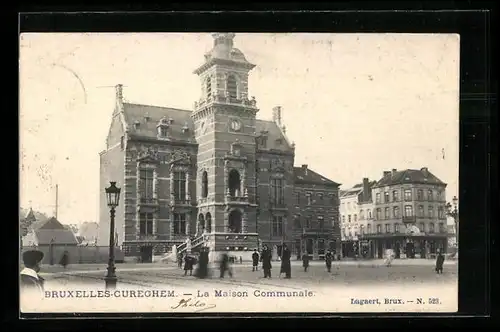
x=239 y=172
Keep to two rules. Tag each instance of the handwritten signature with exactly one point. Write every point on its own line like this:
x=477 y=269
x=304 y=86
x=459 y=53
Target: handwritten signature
x=191 y=303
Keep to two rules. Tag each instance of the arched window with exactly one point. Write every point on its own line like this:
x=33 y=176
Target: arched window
x=204 y=184
x=208 y=222
x=234 y=183
x=232 y=87
x=208 y=86
x=235 y=221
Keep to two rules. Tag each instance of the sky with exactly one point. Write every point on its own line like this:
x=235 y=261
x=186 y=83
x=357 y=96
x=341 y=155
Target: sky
x=354 y=104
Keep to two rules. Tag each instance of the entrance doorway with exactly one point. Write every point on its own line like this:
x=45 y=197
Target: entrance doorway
x=398 y=250
x=147 y=254
x=380 y=250
x=410 y=250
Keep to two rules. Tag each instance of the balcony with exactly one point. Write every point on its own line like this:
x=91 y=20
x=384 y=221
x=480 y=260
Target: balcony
x=314 y=231
x=276 y=205
x=237 y=200
x=180 y=202
x=148 y=201
x=409 y=219
x=147 y=237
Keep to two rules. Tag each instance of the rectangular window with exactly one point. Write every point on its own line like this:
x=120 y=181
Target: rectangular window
x=369 y=229
x=430 y=196
x=386 y=197
x=297 y=222
x=394 y=195
x=421 y=211
x=407 y=194
x=180 y=186
x=420 y=195
x=441 y=228
x=387 y=228
x=431 y=212
x=321 y=222
x=146 y=224
x=379 y=212
x=395 y=212
x=361 y=230
x=163 y=131
x=422 y=227
x=377 y=198
x=440 y=212
x=277 y=191
x=396 y=228
x=431 y=228
x=320 y=199
x=386 y=212
x=379 y=229
x=408 y=211
x=277 y=227
x=179 y=223
x=146 y=184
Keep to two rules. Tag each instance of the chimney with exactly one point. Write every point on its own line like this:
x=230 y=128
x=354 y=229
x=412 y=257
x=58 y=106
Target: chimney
x=366 y=190
x=304 y=168
x=277 y=115
x=424 y=170
x=387 y=173
x=394 y=171
x=119 y=92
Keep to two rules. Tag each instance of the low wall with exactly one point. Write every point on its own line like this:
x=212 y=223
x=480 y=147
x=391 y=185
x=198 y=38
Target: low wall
x=77 y=254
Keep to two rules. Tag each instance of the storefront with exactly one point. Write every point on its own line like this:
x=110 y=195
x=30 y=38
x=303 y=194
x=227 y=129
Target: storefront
x=404 y=245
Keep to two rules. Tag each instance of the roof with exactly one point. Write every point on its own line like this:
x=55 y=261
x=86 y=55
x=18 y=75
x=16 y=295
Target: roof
x=308 y=176
x=30 y=216
x=136 y=113
x=420 y=176
x=182 y=118
x=59 y=236
x=356 y=189
x=51 y=229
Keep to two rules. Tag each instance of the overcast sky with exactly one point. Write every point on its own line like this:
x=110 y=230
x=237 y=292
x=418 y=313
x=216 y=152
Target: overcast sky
x=354 y=104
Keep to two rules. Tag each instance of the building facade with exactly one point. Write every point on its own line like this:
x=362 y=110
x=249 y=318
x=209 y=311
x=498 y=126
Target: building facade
x=409 y=214
x=216 y=174
x=356 y=216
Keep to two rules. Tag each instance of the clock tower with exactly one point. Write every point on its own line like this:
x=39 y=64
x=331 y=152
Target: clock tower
x=224 y=121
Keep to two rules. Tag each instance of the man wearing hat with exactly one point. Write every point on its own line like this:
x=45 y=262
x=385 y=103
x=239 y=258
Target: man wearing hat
x=29 y=275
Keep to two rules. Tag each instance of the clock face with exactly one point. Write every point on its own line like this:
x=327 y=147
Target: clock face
x=235 y=125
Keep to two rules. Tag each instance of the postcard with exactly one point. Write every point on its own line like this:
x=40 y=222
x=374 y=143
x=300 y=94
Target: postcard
x=238 y=172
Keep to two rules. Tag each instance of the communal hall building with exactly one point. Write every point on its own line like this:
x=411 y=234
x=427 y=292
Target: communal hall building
x=215 y=174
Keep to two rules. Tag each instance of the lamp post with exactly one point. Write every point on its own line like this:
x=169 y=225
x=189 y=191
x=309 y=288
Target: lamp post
x=113 y=198
x=452 y=211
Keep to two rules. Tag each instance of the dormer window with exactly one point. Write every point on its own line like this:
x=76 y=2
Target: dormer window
x=185 y=128
x=137 y=124
x=162 y=131
x=162 y=128
x=279 y=141
x=146 y=117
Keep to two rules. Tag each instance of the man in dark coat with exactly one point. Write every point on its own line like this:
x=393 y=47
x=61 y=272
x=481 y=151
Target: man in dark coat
x=30 y=280
x=224 y=266
x=439 y=262
x=188 y=264
x=255 y=260
x=305 y=261
x=266 y=257
x=64 y=259
x=285 y=262
x=328 y=260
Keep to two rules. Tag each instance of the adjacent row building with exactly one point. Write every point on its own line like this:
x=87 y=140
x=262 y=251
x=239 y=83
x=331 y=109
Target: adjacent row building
x=215 y=174
x=404 y=211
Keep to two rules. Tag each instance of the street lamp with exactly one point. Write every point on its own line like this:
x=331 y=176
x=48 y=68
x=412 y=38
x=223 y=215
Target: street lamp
x=452 y=211
x=113 y=198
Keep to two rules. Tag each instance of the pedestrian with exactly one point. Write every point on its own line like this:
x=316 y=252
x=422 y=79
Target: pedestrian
x=328 y=260
x=305 y=261
x=389 y=256
x=285 y=262
x=225 y=266
x=64 y=259
x=188 y=265
x=179 y=260
x=201 y=271
x=265 y=258
x=439 y=262
x=255 y=260
x=30 y=279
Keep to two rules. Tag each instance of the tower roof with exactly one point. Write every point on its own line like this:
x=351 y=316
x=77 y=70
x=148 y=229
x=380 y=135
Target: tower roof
x=223 y=51
x=30 y=216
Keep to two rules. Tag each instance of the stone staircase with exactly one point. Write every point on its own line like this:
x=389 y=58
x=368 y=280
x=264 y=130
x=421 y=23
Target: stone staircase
x=196 y=244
